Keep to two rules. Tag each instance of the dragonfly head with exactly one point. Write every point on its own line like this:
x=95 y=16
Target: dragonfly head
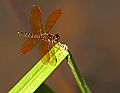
x=56 y=38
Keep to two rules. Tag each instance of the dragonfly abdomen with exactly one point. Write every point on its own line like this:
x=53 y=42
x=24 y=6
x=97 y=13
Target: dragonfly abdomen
x=45 y=36
x=29 y=35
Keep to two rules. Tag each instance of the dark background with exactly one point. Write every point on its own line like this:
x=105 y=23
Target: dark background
x=91 y=29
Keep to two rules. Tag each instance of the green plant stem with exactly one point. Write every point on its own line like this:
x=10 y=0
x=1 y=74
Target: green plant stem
x=77 y=75
x=40 y=72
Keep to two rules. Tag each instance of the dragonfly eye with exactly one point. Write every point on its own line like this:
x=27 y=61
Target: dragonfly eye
x=56 y=37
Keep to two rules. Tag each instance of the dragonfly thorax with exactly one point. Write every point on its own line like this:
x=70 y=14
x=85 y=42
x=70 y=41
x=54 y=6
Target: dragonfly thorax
x=46 y=36
x=50 y=37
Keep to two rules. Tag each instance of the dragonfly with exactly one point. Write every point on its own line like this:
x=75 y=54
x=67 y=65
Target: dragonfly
x=39 y=33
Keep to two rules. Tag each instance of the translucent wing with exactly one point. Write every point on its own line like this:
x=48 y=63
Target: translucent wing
x=52 y=19
x=44 y=49
x=28 y=45
x=35 y=20
x=54 y=58
x=36 y=26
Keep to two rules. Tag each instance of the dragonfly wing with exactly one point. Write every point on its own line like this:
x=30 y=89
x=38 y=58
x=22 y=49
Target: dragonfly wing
x=52 y=19
x=54 y=58
x=28 y=45
x=36 y=26
x=35 y=20
x=44 y=49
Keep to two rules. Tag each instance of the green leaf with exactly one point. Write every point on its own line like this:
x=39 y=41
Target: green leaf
x=38 y=74
x=77 y=75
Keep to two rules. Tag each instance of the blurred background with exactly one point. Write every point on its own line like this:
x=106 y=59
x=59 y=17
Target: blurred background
x=89 y=28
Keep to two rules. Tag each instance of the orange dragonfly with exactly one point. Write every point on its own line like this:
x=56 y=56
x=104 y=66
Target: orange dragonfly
x=40 y=34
